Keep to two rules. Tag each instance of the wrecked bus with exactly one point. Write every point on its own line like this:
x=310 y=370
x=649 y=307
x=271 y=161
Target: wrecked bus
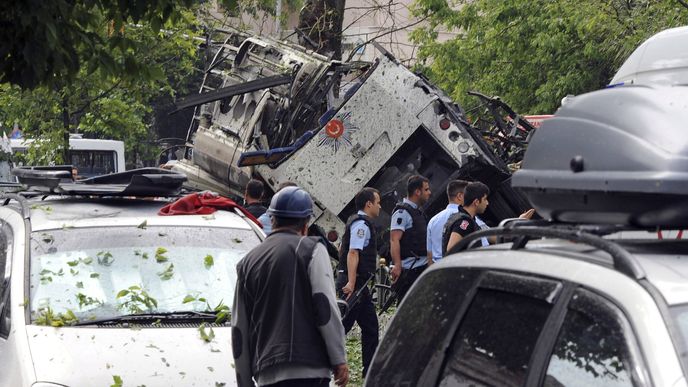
x=276 y=111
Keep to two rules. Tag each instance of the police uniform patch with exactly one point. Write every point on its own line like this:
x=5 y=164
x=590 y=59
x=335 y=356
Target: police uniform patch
x=399 y=220
x=360 y=233
x=464 y=225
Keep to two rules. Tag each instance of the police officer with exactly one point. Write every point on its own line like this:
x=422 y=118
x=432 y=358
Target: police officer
x=408 y=231
x=463 y=222
x=357 y=262
x=286 y=327
x=436 y=225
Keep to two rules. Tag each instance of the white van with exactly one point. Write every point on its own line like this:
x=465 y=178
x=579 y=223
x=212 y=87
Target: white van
x=91 y=157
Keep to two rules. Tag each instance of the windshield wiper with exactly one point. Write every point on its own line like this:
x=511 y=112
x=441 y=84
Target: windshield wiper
x=147 y=318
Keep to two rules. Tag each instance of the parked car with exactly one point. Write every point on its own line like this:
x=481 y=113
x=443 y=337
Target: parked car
x=558 y=312
x=596 y=294
x=98 y=288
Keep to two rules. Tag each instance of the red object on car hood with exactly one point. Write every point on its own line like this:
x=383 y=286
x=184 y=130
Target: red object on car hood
x=203 y=203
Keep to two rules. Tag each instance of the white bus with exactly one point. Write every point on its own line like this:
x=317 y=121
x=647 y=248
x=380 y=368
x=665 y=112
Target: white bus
x=91 y=157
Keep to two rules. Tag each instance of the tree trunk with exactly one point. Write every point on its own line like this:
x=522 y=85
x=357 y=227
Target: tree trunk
x=321 y=22
x=65 y=134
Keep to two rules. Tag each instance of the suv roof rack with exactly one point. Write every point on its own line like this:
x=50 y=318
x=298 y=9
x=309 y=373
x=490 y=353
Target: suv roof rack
x=623 y=260
x=136 y=182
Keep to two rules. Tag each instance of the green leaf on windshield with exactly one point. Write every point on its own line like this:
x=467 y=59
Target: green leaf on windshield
x=87 y=260
x=73 y=263
x=95 y=275
x=208 y=261
x=221 y=317
x=105 y=258
x=74 y=272
x=122 y=293
x=144 y=256
x=117 y=381
x=159 y=255
x=85 y=300
x=143 y=225
x=167 y=273
x=236 y=240
x=80 y=285
x=188 y=299
x=47 y=317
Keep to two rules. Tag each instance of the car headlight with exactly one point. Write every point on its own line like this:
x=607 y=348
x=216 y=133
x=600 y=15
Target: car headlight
x=47 y=384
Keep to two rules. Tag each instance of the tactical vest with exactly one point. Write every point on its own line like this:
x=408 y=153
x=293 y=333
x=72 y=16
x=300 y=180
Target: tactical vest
x=413 y=241
x=446 y=231
x=367 y=258
x=285 y=328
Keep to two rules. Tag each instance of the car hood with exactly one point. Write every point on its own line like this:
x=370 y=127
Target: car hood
x=91 y=356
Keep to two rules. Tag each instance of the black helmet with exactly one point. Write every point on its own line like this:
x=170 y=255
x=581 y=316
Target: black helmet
x=291 y=202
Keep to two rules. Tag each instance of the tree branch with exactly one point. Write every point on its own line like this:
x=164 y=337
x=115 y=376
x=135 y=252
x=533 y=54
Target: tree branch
x=99 y=96
x=683 y=3
x=385 y=34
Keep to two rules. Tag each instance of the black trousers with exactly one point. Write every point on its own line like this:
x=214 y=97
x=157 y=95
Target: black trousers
x=363 y=313
x=321 y=382
x=408 y=277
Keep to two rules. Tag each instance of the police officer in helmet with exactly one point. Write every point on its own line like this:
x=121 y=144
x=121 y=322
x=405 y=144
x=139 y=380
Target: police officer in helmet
x=408 y=231
x=357 y=263
x=286 y=327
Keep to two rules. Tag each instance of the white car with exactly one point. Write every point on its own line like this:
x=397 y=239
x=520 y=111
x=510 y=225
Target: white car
x=661 y=60
x=100 y=291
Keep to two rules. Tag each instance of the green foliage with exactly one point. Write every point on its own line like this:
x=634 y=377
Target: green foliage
x=50 y=43
x=136 y=300
x=47 y=317
x=206 y=336
x=533 y=53
x=112 y=93
x=208 y=261
x=160 y=255
x=168 y=273
x=105 y=258
x=117 y=381
x=85 y=300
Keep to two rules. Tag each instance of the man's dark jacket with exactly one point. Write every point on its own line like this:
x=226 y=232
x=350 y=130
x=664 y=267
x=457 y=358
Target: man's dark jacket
x=277 y=292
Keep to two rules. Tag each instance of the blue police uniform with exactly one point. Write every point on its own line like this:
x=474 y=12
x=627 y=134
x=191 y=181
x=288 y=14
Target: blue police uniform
x=363 y=311
x=482 y=226
x=360 y=234
x=435 y=229
x=402 y=220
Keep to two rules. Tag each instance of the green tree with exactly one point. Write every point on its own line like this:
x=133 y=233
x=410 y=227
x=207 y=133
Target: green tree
x=102 y=104
x=46 y=42
x=532 y=53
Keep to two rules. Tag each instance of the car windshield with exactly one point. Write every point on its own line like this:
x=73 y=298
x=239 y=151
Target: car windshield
x=94 y=273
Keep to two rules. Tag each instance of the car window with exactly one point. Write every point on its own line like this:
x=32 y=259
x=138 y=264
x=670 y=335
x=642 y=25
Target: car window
x=680 y=316
x=592 y=348
x=97 y=272
x=495 y=340
x=419 y=326
x=5 y=261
